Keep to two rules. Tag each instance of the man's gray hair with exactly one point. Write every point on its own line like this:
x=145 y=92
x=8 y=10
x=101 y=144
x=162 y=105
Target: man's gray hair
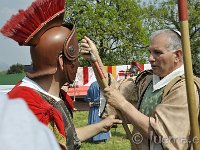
x=174 y=39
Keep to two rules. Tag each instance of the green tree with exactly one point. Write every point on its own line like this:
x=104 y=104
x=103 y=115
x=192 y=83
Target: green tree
x=16 y=68
x=164 y=14
x=121 y=29
x=114 y=25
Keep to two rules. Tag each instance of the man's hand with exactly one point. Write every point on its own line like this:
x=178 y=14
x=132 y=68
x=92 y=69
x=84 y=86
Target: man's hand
x=108 y=122
x=114 y=97
x=91 y=130
x=88 y=49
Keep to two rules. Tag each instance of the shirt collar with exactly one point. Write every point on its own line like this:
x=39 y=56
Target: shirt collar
x=158 y=84
x=31 y=84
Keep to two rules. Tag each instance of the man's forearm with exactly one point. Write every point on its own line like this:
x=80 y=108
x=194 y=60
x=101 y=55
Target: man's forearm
x=139 y=120
x=89 y=131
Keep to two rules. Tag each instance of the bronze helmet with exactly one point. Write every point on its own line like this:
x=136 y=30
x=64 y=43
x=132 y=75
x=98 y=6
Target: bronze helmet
x=55 y=41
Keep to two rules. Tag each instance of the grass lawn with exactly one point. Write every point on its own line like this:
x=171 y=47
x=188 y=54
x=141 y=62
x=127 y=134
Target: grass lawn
x=10 y=79
x=117 y=141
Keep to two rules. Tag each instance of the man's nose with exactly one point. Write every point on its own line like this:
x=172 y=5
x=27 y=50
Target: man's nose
x=151 y=58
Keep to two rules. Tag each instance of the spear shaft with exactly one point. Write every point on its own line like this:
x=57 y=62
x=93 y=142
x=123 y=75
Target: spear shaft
x=193 y=114
x=102 y=80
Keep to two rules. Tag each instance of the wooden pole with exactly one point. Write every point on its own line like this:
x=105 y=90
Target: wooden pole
x=193 y=114
x=103 y=84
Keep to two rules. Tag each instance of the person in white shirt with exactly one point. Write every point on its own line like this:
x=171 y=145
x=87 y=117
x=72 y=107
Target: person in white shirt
x=20 y=129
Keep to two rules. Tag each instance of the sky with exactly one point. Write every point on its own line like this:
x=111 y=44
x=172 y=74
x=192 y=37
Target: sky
x=10 y=52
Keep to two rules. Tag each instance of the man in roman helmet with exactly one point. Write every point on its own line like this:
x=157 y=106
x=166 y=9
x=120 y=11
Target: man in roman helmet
x=54 y=52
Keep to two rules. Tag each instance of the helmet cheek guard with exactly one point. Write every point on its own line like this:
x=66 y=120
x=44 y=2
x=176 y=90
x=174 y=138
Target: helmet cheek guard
x=70 y=48
x=71 y=52
x=70 y=69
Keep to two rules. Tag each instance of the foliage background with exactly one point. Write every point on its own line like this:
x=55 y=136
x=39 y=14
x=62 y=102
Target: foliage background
x=15 y=69
x=121 y=29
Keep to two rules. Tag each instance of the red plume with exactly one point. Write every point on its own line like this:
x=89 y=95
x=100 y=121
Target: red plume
x=27 y=22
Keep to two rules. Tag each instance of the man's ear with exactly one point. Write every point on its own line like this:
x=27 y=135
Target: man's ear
x=61 y=62
x=179 y=55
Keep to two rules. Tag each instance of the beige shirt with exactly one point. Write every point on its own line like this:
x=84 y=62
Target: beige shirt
x=171 y=129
